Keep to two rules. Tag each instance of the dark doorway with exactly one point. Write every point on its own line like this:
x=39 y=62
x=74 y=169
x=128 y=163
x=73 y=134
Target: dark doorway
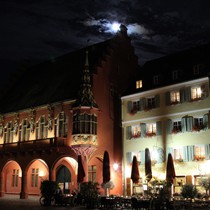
x=63 y=178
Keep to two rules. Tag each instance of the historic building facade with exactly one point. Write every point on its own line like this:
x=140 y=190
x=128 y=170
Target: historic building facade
x=63 y=108
x=167 y=111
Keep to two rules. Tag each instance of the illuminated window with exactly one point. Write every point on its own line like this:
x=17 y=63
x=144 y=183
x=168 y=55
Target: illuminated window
x=177 y=126
x=34 y=177
x=196 y=92
x=8 y=133
x=41 y=128
x=24 y=131
x=199 y=152
x=61 y=128
x=175 y=96
x=138 y=84
x=178 y=154
x=151 y=128
x=15 y=175
x=136 y=131
x=92 y=173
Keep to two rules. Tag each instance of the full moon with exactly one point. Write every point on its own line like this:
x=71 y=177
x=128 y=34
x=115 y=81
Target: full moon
x=115 y=26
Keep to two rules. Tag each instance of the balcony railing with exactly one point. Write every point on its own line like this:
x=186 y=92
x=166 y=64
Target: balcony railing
x=33 y=145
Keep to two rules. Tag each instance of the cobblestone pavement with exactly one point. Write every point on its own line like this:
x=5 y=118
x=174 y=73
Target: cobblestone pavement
x=13 y=202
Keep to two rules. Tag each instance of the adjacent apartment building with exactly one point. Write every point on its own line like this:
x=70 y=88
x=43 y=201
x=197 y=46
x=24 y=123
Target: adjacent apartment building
x=166 y=109
x=62 y=108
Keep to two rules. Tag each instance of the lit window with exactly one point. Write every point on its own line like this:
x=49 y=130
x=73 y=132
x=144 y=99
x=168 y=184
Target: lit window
x=136 y=131
x=41 y=128
x=196 y=92
x=178 y=154
x=177 y=126
x=175 y=96
x=199 y=152
x=151 y=128
x=138 y=84
x=34 y=177
x=15 y=175
x=92 y=173
x=61 y=127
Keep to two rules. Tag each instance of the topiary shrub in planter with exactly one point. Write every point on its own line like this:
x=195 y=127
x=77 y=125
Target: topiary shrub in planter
x=189 y=191
x=90 y=194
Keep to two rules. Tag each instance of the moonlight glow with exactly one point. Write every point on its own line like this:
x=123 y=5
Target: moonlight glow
x=115 y=26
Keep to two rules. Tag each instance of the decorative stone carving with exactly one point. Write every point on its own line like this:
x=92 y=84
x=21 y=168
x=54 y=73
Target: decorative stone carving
x=50 y=117
x=32 y=120
x=1 y=125
x=15 y=128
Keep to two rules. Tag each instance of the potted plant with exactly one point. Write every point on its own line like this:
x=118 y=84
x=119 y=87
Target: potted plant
x=90 y=194
x=48 y=189
x=205 y=183
x=189 y=191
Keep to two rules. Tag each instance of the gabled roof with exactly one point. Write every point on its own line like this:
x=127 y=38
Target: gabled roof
x=52 y=81
x=163 y=67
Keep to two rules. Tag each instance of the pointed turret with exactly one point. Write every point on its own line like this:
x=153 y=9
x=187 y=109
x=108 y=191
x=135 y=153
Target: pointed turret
x=85 y=96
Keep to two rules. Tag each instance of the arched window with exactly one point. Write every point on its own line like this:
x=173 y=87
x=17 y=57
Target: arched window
x=41 y=128
x=61 y=128
x=24 y=131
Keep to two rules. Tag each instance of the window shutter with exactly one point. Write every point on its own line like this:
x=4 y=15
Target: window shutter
x=160 y=158
x=188 y=94
x=206 y=121
x=167 y=98
x=190 y=151
x=142 y=156
x=189 y=123
x=185 y=154
x=184 y=124
x=130 y=106
x=128 y=132
x=142 y=103
x=207 y=151
x=159 y=128
x=143 y=129
x=182 y=95
x=157 y=101
x=128 y=158
x=169 y=126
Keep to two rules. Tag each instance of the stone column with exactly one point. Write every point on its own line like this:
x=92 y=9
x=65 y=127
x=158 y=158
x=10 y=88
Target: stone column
x=2 y=180
x=23 y=192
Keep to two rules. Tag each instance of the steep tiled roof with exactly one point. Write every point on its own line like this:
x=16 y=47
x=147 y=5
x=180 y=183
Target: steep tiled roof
x=163 y=67
x=52 y=81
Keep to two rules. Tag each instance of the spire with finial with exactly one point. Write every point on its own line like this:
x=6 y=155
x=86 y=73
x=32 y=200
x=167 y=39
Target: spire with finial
x=85 y=96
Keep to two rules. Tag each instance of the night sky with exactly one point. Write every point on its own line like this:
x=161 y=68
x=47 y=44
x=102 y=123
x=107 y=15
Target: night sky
x=36 y=30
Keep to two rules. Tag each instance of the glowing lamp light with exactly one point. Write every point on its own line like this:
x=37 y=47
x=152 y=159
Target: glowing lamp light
x=41 y=173
x=115 y=166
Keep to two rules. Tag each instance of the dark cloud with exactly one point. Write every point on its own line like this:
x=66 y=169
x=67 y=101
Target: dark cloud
x=36 y=30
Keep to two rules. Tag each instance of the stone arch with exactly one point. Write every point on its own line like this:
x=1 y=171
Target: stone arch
x=10 y=178
x=69 y=164
x=35 y=172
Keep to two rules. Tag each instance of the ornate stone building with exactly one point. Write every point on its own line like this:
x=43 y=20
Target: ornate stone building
x=65 y=107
